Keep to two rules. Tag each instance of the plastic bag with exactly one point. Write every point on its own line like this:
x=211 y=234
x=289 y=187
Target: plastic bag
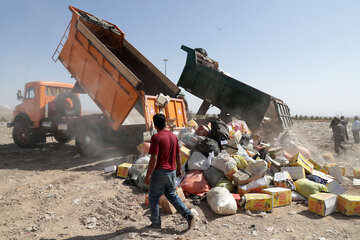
x=207 y=145
x=139 y=165
x=185 y=130
x=226 y=183
x=221 y=201
x=257 y=167
x=189 y=140
x=282 y=160
x=241 y=151
x=241 y=162
x=213 y=175
x=306 y=187
x=140 y=181
x=195 y=183
x=255 y=186
x=198 y=161
x=223 y=162
x=239 y=125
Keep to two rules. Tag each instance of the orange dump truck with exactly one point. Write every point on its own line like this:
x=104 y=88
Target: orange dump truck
x=118 y=78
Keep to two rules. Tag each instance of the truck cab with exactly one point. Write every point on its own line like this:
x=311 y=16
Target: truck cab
x=31 y=117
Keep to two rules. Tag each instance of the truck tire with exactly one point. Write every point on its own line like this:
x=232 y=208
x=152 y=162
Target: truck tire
x=62 y=137
x=22 y=135
x=88 y=141
x=62 y=103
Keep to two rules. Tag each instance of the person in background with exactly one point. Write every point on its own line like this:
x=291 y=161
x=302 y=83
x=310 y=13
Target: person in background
x=344 y=122
x=163 y=167
x=339 y=136
x=355 y=127
x=333 y=125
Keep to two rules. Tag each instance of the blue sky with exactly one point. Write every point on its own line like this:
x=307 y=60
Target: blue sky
x=306 y=52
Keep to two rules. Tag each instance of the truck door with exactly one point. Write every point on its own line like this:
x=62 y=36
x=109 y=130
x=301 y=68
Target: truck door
x=29 y=103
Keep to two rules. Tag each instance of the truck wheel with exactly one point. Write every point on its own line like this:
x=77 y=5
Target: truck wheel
x=88 y=142
x=62 y=137
x=22 y=135
x=68 y=104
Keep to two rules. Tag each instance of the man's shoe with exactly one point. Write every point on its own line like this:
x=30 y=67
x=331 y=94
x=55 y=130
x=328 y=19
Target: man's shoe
x=154 y=226
x=191 y=221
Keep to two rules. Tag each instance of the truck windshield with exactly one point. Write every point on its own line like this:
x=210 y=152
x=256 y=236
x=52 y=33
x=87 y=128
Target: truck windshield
x=52 y=91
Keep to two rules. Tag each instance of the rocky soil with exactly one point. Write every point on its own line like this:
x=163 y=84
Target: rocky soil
x=50 y=192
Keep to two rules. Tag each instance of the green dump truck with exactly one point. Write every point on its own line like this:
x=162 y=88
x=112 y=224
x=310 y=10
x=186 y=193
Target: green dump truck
x=201 y=76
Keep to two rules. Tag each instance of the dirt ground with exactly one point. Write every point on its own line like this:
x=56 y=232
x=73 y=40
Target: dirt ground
x=52 y=193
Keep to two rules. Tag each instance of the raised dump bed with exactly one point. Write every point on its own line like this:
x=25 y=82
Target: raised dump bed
x=202 y=78
x=107 y=67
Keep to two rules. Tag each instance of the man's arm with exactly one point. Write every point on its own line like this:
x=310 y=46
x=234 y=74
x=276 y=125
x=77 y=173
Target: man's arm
x=151 y=167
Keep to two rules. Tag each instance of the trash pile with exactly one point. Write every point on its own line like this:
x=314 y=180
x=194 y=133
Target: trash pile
x=235 y=170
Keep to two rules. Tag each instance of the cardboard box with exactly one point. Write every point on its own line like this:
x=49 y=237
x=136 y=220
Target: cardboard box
x=284 y=180
x=349 y=205
x=335 y=188
x=166 y=206
x=300 y=160
x=231 y=146
x=317 y=166
x=295 y=172
x=229 y=174
x=253 y=187
x=280 y=196
x=322 y=204
x=257 y=202
x=327 y=177
x=335 y=171
x=184 y=155
x=110 y=169
x=356 y=172
x=123 y=170
x=242 y=178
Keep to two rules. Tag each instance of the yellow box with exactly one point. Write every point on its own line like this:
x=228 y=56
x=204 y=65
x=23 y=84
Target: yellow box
x=123 y=170
x=317 y=166
x=300 y=160
x=356 y=172
x=322 y=204
x=280 y=196
x=349 y=205
x=184 y=155
x=258 y=202
x=229 y=174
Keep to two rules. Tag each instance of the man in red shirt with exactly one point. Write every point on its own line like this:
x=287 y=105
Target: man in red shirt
x=162 y=171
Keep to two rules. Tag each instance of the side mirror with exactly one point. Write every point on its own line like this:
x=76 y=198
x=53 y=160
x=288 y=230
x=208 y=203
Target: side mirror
x=19 y=96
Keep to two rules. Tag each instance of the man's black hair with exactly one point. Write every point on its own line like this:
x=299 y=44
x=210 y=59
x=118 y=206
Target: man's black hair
x=159 y=120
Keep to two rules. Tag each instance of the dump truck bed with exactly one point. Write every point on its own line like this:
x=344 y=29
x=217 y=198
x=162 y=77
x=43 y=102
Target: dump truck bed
x=108 y=68
x=201 y=78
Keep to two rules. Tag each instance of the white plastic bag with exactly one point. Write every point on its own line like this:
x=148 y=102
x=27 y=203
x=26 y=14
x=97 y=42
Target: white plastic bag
x=140 y=164
x=221 y=201
x=223 y=162
x=198 y=161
